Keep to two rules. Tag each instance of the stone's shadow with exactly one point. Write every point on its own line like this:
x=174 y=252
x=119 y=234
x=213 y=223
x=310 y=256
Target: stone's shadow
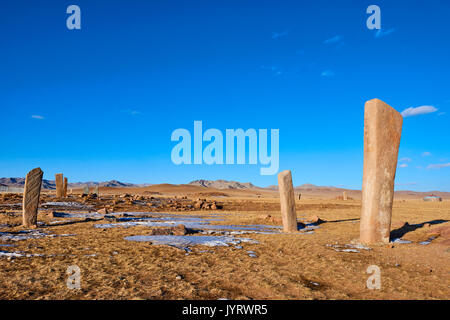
x=343 y=220
x=400 y=232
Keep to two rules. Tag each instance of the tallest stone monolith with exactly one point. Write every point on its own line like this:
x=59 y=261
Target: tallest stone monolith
x=382 y=132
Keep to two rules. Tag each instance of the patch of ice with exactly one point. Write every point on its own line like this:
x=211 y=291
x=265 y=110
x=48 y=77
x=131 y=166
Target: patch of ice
x=66 y=205
x=184 y=242
x=18 y=254
x=401 y=241
x=28 y=234
x=77 y=215
x=426 y=242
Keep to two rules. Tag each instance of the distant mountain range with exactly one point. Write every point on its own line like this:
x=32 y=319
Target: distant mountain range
x=222 y=184
x=218 y=184
x=50 y=184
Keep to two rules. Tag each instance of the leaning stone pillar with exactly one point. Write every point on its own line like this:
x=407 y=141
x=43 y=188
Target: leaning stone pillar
x=59 y=185
x=382 y=132
x=287 y=200
x=31 y=193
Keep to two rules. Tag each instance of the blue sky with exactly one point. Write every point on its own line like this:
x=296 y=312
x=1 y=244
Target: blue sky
x=101 y=103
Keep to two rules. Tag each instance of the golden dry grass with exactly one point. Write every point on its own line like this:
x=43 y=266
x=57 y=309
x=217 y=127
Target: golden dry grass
x=287 y=266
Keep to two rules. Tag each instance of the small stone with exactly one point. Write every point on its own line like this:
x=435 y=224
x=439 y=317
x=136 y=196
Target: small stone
x=102 y=211
x=315 y=219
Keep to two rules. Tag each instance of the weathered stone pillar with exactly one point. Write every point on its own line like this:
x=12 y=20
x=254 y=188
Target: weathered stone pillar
x=287 y=200
x=299 y=196
x=31 y=193
x=59 y=185
x=65 y=187
x=382 y=132
x=344 y=196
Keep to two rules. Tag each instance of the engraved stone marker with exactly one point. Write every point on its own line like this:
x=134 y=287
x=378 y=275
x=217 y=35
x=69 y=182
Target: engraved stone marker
x=344 y=196
x=59 y=185
x=287 y=200
x=382 y=132
x=31 y=193
x=65 y=187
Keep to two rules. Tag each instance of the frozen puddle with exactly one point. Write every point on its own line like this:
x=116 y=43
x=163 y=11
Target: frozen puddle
x=18 y=254
x=74 y=205
x=28 y=234
x=184 y=242
x=194 y=222
x=77 y=215
x=348 y=247
x=426 y=242
x=401 y=241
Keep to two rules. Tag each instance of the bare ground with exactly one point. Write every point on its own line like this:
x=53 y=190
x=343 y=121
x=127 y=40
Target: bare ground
x=288 y=266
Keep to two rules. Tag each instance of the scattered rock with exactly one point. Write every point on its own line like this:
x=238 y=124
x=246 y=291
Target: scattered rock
x=102 y=211
x=315 y=219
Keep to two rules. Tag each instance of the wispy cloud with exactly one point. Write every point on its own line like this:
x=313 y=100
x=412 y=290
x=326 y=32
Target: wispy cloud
x=441 y=113
x=327 y=73
x=438 y=165
x=405 y=160
x=274 y=69
x=278 y=35
x=381 y=33
x=335 y=39
x=418 y=111
x=38 y=117
x=426 y=154
x=403 y=165
x=135 y=112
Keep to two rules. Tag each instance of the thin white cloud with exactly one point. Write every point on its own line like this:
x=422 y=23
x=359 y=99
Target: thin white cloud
x=335 y=39
x=381 y=33
x=135 y=112
x=441 y=113
x=278 y=35
x=418 y=110
x=405 y=160
x=438 y=165
x=327 y=73
x=274 y=69
x=426 y=154
x=38 y=117
x=403 y=165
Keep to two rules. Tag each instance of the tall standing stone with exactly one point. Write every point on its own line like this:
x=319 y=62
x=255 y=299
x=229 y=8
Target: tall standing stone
x=59 y=185
x=344 y=196
x=287 y=200
x=382 y=132
x=31 y=193
x=65 y=187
